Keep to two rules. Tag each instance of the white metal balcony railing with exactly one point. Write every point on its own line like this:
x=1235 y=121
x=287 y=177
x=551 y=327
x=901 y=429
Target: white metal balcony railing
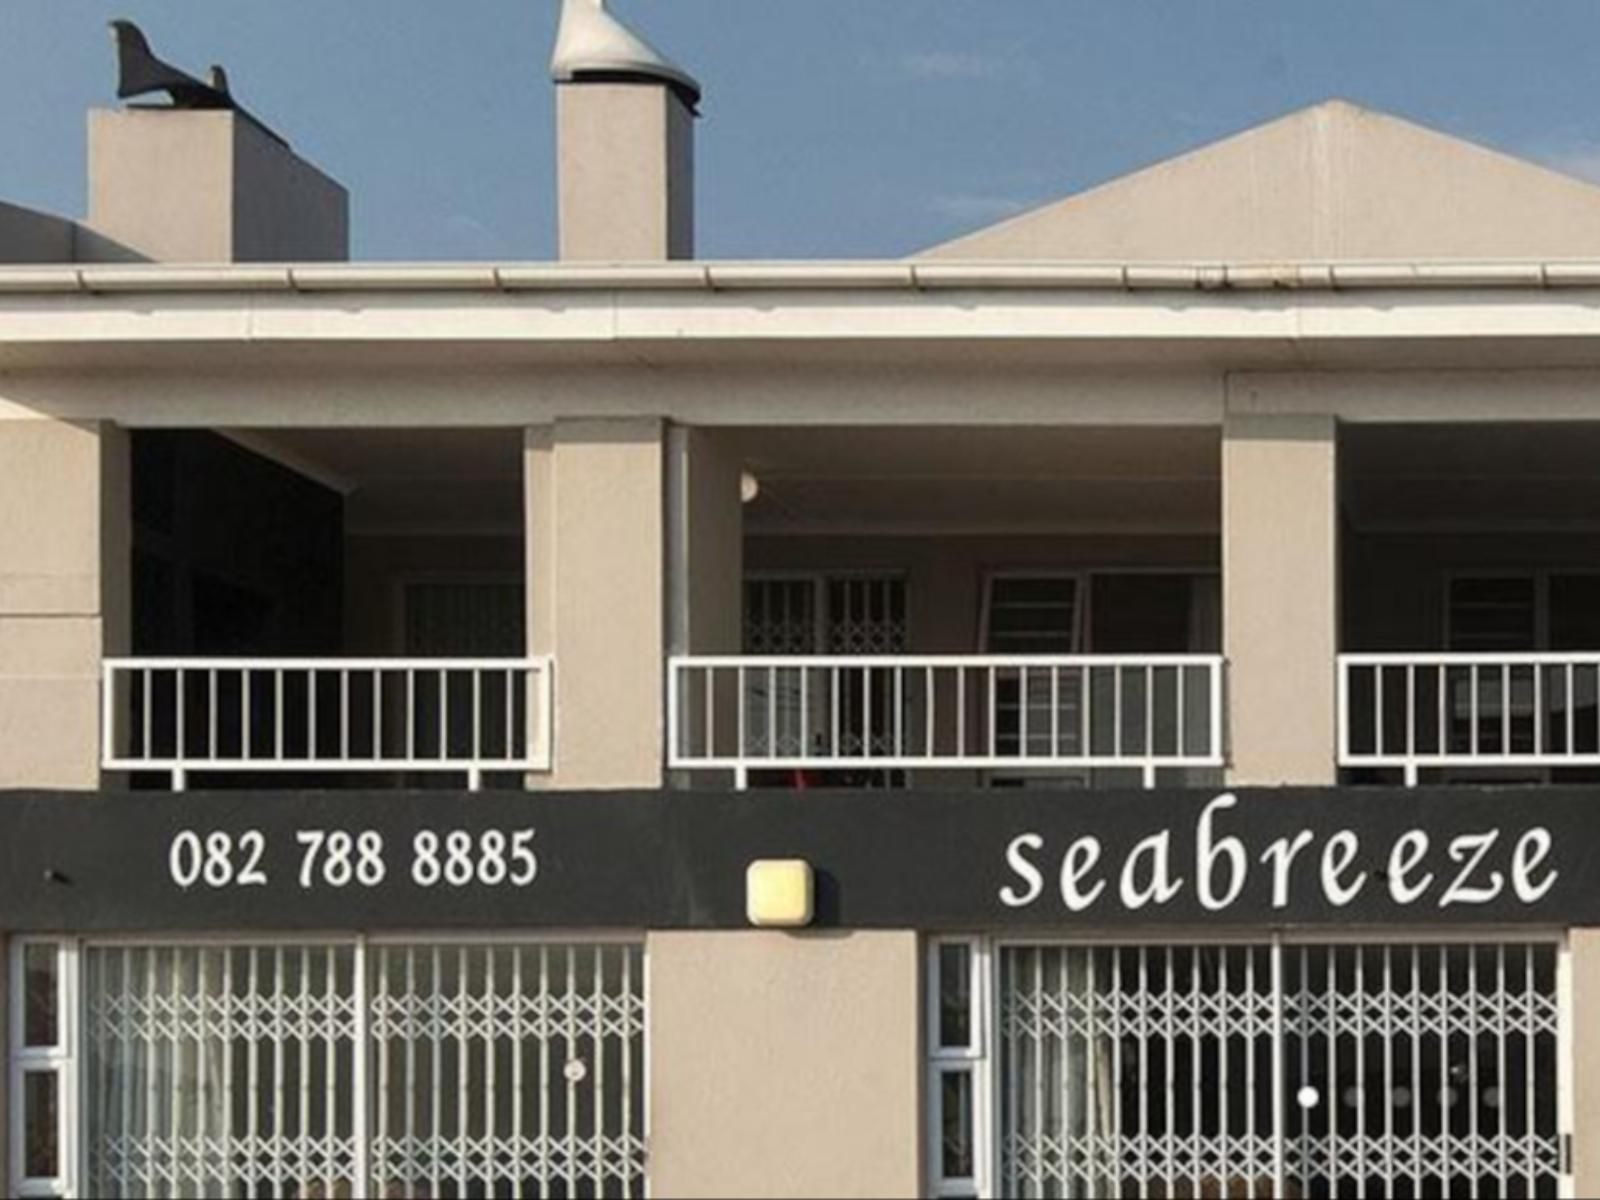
x=1451 y=711
x=326 y=715
x=1014 y=713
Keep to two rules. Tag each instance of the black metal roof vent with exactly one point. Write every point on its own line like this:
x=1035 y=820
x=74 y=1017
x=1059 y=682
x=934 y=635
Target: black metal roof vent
x=140 y=73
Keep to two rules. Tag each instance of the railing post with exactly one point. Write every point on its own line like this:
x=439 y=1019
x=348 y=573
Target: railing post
x=475 y=779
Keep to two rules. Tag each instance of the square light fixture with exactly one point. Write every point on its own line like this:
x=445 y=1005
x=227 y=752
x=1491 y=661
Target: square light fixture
x=780 y=894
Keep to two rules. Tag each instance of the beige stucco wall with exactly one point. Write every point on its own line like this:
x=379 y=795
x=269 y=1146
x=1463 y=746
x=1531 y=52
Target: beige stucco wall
x=1585 y=965
x=706 y=543
x=596 y=595
x=65 y=562
x=284 y=209
x=196 y=186
x=1334 y=181
x=785 y=1065
x=626 y=172
x=1280 y=556
x=5 y=1074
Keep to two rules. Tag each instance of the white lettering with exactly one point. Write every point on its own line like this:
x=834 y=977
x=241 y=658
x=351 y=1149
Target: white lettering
x=1532 y=849
x=1162 y=887
x=1024 y=870
x=1410 y=850
x=1281 y=855
x=1207 y=852
x=1337 y=856
x=1478 y=845
x=1078 y=861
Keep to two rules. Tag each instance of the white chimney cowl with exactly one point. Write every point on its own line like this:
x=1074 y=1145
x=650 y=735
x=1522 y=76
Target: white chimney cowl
x=592 y=44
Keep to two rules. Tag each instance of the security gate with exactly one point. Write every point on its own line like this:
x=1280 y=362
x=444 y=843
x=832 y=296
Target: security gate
x=1277 y=1069
x=329 y=1069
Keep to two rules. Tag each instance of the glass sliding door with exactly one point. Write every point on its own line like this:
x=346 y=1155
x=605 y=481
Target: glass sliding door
x=331 y=1069
x=1273 y=1068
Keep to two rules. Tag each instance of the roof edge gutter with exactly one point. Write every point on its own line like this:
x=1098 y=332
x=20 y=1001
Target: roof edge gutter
x=864 y=275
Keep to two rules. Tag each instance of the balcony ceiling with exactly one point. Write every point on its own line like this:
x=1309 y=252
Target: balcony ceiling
x=984 y=480
x=1471 y=478
x=933 y=480
x=414 y=481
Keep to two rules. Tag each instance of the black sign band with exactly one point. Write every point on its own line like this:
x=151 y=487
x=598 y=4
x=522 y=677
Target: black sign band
x=936 y=860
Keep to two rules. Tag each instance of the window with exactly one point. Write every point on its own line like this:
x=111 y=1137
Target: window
x=1490 y=614
x=336 y=1068
x=1106 y=710
x=43 y=1039
x=465 y=619
x=837 y=614
x=1522 y=708
x=957 y=1096
x=1274 y=1068
x=1523 y=611
x=834 y=615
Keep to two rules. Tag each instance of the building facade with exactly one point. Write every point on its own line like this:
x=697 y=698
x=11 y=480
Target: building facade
x=1110 y=705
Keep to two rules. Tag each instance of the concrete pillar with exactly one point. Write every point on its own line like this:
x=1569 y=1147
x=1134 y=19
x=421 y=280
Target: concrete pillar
x=5 y=1062
x=785 y=1065
x=196 y=186
x=705 y=544
x=1280 y=571
x=65 y=565
x=634 y=545
x=1584 y=961
x=626 y=171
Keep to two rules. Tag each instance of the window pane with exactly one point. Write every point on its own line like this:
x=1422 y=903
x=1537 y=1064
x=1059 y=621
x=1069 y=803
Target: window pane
x=1574 y=612
x=1493 y=614
x=1032 y=616
x=955 y=1092
x=193 y=1051
x=40 y=1023
x=955 y=996
x=41 y=1127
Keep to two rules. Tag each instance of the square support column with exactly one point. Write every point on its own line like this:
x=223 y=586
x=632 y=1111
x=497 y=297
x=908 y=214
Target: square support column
x=65 y=567
x=1280 y=556
x=1584 y=948
x=634 y=549
x=785 y=1065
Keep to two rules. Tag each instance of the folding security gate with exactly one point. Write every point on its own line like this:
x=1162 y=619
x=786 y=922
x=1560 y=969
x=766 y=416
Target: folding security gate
x=1275 y=1069
x=330 y=1069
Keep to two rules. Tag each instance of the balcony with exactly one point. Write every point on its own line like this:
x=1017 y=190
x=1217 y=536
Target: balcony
x=315 y=716
x=1487 y=716
x=1013 y=716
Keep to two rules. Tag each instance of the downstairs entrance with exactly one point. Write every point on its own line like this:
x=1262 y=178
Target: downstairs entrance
x=1281 y=1068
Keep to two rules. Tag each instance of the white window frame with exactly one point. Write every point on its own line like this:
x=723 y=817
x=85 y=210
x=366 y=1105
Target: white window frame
x=974 y=1060
x=61 y=1060
x=1080 y=616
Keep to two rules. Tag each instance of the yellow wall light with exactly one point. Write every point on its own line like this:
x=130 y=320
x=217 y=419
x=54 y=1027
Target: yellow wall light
x=780 y=894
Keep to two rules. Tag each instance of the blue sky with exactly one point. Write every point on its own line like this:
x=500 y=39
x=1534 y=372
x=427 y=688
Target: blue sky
x=833 y=128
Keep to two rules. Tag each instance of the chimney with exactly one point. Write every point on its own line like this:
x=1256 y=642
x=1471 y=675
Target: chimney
x=201 y=180
x=625 y=142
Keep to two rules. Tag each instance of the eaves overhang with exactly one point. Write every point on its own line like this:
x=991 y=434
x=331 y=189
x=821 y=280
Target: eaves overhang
x=1249 y=314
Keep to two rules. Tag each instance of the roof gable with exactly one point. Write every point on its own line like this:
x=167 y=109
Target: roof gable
x=1330 y=182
